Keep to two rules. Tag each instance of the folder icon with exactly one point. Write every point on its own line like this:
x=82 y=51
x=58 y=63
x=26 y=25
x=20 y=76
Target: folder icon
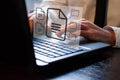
x=39 y=28
x=56 y=19
x=40 y=14
x=39 y=22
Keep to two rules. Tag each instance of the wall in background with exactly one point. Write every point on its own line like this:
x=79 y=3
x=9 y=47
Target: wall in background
x=30 y=4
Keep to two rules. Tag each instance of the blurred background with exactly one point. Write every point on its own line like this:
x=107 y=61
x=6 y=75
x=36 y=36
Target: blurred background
x=113 y=10
x=30 y=4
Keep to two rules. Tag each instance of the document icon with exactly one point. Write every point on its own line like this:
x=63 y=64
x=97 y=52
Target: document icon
x=39 y=22
x=39 y=28
x=56 y=19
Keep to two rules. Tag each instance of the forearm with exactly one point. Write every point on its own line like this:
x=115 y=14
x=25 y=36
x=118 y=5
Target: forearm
x=109 y=36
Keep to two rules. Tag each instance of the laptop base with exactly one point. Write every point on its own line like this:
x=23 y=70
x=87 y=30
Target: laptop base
x=72 y=63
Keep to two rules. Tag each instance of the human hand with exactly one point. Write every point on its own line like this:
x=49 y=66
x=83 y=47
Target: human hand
x=91 y=31
x=36 y=16
x=30 y=19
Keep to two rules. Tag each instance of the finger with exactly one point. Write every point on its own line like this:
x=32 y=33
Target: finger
x=71 y=27
x=78 y=33
x=73 y=34
x=48 y=28
x=60 y=32
x=85 y=25
x=31 y=25
x=63 y=30
x=83 y=33
x=31 y=14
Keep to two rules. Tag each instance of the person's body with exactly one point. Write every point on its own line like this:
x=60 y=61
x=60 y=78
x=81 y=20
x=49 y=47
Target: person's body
x=88 y=29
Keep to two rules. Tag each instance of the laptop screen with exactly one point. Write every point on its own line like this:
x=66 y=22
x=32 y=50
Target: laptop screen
x=16 y=39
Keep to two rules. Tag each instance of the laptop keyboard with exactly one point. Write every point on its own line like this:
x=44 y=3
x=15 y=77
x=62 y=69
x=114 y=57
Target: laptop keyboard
x=51 y=49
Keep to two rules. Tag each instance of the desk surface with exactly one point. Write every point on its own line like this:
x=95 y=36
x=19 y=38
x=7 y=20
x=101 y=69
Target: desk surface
x=107 y=69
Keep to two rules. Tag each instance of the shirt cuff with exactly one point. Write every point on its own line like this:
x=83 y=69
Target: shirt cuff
x=117 y=35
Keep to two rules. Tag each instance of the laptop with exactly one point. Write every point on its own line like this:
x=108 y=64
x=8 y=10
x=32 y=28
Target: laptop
x=24 y=48
x=48 y=47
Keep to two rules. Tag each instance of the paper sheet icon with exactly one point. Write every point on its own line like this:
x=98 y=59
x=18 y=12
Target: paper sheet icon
x=56 y=21
x=39 y=22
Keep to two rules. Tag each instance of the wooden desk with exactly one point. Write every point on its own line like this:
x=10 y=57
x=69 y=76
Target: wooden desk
x=103 y=70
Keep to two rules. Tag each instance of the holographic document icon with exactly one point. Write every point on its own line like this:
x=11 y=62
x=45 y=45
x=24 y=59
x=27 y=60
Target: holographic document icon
x=55 y=22
x=39 y=22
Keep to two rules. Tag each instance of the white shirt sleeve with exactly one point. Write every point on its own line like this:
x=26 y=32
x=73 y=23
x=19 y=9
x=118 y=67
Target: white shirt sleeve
x=117 y=35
